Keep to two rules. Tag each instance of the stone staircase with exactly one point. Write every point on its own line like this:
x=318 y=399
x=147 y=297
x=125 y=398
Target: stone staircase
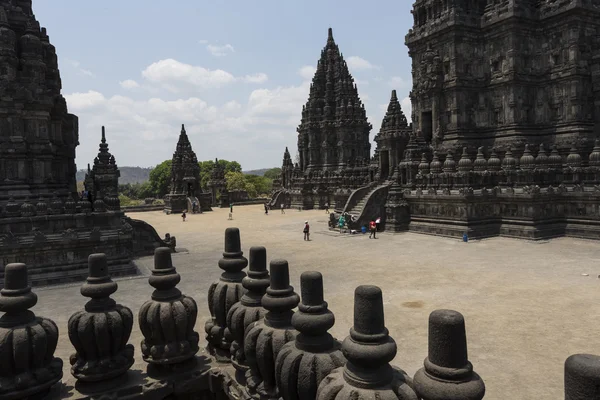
x=366 y=204
x=357 y=210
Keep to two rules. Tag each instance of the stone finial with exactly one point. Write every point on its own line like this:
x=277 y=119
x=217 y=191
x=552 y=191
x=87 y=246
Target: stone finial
x=448 y=374
x=574 y=159
x=527 y=161
x=313 y=346
x=265 y=338
x=224 y=293
x=555 y=159
x=27 y=343
x=369 y=349
x=166 y=343
x=480 y=163
x=509 y=163
x=436 y=165
x=465 y=164
x=541 y=160
x=582 y=377
x=595 y=154
x=494 y=162
x=424 y=164
x=249 y=309
x=449 y=163
x=101 y=331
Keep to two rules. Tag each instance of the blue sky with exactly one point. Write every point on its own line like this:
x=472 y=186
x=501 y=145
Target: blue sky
x=236 y=73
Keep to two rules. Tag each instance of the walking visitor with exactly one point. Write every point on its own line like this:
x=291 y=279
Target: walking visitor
x=373 y=229
x=306 y=231
x=282 y=208
x=183 y=216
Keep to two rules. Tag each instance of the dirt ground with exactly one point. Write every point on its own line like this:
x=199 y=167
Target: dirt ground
x=527 y=305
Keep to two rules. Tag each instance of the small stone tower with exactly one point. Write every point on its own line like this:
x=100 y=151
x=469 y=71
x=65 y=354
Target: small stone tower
x=185 y=177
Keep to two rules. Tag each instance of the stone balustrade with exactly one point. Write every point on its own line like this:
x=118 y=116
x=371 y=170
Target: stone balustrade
x=259 y=346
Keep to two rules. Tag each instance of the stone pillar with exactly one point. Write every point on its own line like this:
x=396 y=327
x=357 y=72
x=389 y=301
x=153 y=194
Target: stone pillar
x=582 y=377
x=101 y=331
x=313 y=347
x=448 y=374
x=249 y=309
x=266 y=338
x=28 y=368
x=224 y=293
x=369 y=349
x=166 y=343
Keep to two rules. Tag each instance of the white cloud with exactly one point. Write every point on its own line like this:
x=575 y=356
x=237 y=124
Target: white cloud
x=220 y=50
x=397 y=82
x=307 y=72
x=256 y=78
x=407 y=108
x=77 y=66
x=173 y=75
x=80 y=101
x=129 y=84
x=203 y=41
x=356 y=63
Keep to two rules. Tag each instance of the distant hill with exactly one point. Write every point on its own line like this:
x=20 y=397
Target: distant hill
x=259 y=172
x=128 y=174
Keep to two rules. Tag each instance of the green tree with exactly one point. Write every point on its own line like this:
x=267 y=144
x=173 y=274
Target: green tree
x=239 y=181
x=160 y=179
x=272 y=173
x=262 y=184
x=206 y=168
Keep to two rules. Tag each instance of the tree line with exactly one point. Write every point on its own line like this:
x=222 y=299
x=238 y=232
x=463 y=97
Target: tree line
x=160 y=179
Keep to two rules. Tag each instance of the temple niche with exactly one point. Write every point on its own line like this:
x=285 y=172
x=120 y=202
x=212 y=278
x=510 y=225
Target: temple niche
x=185 y=188
x=44 y=222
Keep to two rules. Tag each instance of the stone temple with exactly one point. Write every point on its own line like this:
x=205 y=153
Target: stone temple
x=505 y=127
x=44 y=222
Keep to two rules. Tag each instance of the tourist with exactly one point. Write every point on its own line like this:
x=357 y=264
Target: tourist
x=306 y=231
x=266 y=209
x=231 y=208
x=373 y=229
x=183 y=215
x=342 y=222
x=194 y=207
x=377 y=223
x=282 y=208
x=327 y=208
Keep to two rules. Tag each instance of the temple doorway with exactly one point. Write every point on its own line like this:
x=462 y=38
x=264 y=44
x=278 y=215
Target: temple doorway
x=190 y=189
x=385 y=164
x=427 y=126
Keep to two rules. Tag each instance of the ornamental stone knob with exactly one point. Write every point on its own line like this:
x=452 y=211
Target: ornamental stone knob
x=167 y=343
x=249 y=309
x=369 y=349
x=448 y=374
x=302 y=364
x=223 y=294
x=101 y=331
x=27 y=343
x=265 y=338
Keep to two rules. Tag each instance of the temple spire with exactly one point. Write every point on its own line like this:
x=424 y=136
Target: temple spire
x=330 y=35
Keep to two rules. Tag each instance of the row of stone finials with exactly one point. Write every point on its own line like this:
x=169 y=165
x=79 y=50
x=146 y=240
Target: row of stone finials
x=56 y=205
x=493 y=163
x=281 y=353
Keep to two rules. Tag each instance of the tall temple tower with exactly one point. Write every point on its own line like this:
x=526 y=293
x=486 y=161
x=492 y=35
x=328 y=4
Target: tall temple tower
x=505 y=72
x=37 y=134
x=43 y=222
x=333 y=139
x=334 y=127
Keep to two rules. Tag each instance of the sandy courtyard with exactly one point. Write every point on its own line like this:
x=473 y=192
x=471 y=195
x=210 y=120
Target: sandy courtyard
x=527 y=305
